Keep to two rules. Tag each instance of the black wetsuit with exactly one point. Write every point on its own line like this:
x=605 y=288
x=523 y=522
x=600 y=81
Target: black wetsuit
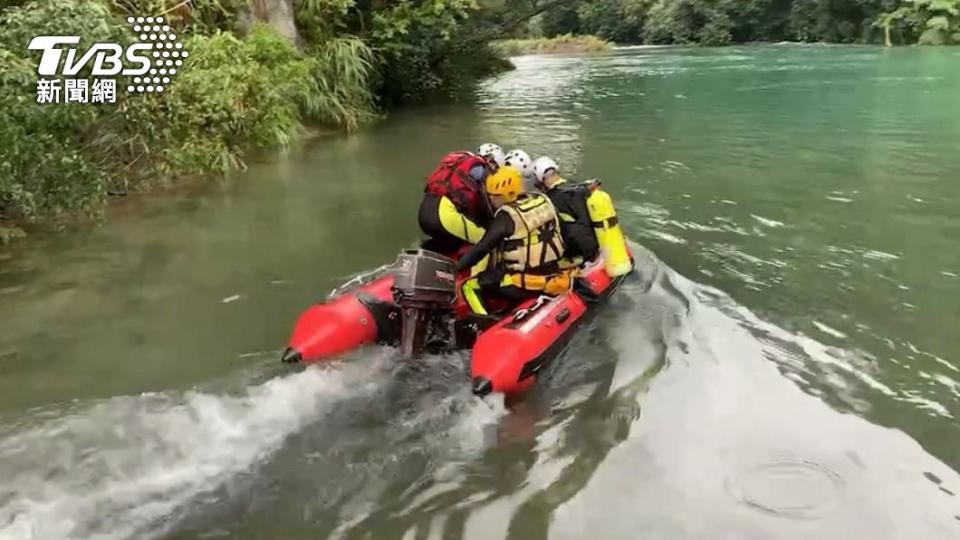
x=570 y=200
x=440 y=239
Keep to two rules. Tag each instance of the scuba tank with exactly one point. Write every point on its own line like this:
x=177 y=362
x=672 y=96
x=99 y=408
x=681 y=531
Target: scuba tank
x=606 y=225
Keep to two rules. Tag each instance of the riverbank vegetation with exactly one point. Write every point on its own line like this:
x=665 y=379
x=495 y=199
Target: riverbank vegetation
x=721 y=22
x=257 y=73
x=566 y=43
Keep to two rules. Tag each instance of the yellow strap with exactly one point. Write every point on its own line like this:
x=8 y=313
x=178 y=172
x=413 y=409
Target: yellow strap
x=552 y=284
x=480 y=266
x=458 y=224
x=559 y=284
x=529 y=240
x=531 y=202
x=471 y=294
x=533 y=283
x=529 y=282
x=567 y=217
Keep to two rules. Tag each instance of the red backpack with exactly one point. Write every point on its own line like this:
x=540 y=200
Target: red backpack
x=452 y=179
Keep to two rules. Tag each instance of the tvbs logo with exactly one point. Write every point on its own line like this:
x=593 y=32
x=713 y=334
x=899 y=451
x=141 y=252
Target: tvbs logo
x=149 y=64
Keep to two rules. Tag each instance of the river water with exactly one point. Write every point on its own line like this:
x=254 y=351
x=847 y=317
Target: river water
x=785 y=363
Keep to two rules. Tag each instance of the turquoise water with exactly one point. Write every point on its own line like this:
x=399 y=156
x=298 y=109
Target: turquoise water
x=785 y=363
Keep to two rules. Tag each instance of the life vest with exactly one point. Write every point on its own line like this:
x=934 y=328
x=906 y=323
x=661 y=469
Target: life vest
x=451 y=179
x=535 y=245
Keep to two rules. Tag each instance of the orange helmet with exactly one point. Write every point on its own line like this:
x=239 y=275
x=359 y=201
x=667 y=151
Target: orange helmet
x=506 y=182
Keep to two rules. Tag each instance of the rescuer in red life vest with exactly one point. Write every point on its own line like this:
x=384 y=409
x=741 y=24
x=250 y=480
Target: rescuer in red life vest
x=455 y=210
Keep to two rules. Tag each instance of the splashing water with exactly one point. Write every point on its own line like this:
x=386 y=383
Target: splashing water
x=679 y=414
x=119 y=467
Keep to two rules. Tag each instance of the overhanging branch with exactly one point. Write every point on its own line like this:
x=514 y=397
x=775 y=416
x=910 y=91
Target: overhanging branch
x=509 y=27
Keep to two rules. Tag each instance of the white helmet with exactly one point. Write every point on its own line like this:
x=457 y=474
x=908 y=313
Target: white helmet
x=492 y=152
x=543 y=164
x=521 y=160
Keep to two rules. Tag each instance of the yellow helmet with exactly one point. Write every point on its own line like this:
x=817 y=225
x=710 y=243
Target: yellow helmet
x=506 y=182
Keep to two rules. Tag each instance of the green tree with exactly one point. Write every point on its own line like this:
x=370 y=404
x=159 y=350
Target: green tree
x=560 y=20
x=426 y=48
x=942 y=23
x=620 y=21
x=931 y=22
x=689 y=21
x=889 y=21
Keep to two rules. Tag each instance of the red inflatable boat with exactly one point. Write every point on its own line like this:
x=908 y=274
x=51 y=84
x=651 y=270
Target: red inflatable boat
x=414 y=305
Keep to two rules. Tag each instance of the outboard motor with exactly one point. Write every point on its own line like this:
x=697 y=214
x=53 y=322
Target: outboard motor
x=425 y=290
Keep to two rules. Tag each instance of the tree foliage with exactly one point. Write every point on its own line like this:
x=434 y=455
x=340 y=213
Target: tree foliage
x=244 y=86
x=942 y=21
x=425 y=48
x=718 y=22
x=44 y=168
x=260 y=69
